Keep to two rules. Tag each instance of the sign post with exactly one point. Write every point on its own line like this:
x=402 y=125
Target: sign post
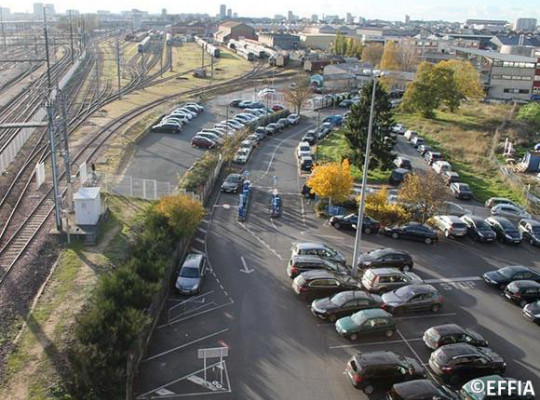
x=216 y=352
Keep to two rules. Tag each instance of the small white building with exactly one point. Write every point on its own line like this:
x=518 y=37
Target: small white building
x=87 y=205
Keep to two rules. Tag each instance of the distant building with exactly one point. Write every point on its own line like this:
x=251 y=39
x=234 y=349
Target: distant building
x=73 y=13
x=349 y=19
x=49 y=9
x=5 y=12
x=525 y=25
x=279 y=17
x=229 y=13
x=519 y=45
x=191 y=28
x=499 y=22
x=38 y=9
x=407 y=19
x=235 y=15
x=136 y=18
x=280 y=40
x=315 y=18
x=222 y=10
x=163 y=11
x=234 y=30
x=505 y=76
x=290 y=16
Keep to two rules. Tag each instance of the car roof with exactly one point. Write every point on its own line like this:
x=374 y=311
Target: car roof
x=384 y=271
x=306 y=257
x=310 y=245
x=388 y=250
x=517 y=267
x=377 y=358
x=457 y=349
x=418 y=288
x=475 y=218
x=192 y=260
x=375 y=313
x=530 y=221
x=418 y=388
x=401 y=171
x=317 y=274
x=234 y=176
x=448 y=329
x=501 y=220
x=452 y=218
x=525 y=283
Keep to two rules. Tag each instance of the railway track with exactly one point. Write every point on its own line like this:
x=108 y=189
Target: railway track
x=14 y=242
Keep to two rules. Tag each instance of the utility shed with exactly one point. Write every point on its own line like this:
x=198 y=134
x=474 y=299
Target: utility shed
x=87 y=205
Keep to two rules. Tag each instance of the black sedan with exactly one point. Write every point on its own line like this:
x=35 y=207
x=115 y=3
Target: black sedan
x=232 y=183
x=412 y=231
x=386 y=257
x=503 y=276
x=344 y=303
x=438 y=336
x=421 y=389
x=506 y=231
x=532 y=312
x=478 y=229
x=350 y=221
x=315 y=284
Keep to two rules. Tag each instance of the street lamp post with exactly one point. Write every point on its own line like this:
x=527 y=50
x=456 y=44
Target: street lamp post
x=359 y=223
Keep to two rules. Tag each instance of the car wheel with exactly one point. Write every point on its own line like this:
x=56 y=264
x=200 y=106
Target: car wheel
x=447 y=233
x=367 y=231
x=336 y=225
x=368 y=389
x=353 y=337
x=522 y=303
x=332 y=318
x=389 y=333
x=406 y=268
x=428 y=240
x=395 y=235
x=531 y=242
x=435 y=307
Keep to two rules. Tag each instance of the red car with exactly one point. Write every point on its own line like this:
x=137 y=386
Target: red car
x=277 y=107
x=202 y=142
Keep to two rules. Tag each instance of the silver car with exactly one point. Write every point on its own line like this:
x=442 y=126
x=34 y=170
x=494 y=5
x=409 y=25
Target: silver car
x=510 y=211
x=450 y=225
x=380 y=280
x=191 y=274
x=317 y=249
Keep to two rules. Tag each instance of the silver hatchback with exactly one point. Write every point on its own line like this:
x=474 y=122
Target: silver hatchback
x=380 y=280
x=191 y=274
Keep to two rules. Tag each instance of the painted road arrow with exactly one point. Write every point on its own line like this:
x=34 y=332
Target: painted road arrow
x=245 y=270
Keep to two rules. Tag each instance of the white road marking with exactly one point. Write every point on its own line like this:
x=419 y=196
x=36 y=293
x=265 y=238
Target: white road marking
x=194 y=299
x=177 y=320
x=261 y=241
x=245 y=270
x=194 y=250
x=450 y=280
x=198 y=239
x=164 y=392
x=201 y=229
x=409 y=346
x=434 y=315
x=185 y=345
x=274 y=225
x=343 y=346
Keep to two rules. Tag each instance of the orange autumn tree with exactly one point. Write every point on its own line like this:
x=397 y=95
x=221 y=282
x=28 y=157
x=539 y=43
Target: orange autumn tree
x=183 y=212
x=332 y=180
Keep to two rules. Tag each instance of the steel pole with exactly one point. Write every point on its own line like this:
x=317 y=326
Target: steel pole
x=54 y=167
x=71 y=38
x=359 y=223
x=49 y=82
x=118 y=67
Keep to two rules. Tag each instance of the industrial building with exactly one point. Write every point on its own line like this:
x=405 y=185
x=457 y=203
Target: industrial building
x=280 y=40
x=234 y=30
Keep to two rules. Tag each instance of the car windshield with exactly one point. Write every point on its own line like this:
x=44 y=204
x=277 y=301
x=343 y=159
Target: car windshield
x=305 y=148
x=189 y=272
x=358 y=319
x=404 y=293
x=233 y=179
x=507 y=272
x=536 y=230
x=340 y=299
x=483 y=226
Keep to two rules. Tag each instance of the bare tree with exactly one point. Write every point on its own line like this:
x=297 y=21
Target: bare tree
x=297 y=93
x=407 y=55
x=372 y=53
x=425 y=190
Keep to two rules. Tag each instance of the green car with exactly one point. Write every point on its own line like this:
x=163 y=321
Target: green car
x=373 y=320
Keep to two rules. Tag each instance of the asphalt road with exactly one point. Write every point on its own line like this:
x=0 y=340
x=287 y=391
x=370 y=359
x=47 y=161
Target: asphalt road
x=276 y=348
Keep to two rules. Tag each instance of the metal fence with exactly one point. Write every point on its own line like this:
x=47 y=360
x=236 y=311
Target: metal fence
x=10 y=150
x=148 y=189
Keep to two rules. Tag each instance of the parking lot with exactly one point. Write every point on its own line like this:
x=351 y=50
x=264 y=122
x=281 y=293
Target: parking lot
x=276 y=348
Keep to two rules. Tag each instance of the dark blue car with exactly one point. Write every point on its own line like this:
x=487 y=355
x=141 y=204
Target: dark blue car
x=336 y=120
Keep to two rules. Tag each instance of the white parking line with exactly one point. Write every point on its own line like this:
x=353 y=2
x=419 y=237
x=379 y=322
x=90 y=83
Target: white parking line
x=450 y=280
x=185 y=345
x=409 y=346
x=193 y=299
x=198 y=239
x=175 y=321
x=427 y=316
x=194 y=250
x=344 y=346
x=201 y=229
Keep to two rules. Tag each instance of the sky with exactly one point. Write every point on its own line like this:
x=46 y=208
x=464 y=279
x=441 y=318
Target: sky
x=455 y=10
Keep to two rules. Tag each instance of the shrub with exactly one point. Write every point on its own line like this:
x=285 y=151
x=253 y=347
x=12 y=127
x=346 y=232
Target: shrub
x=183 y=213
x=378 y=207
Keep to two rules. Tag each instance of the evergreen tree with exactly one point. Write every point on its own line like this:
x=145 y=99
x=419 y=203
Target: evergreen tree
x=356 y=129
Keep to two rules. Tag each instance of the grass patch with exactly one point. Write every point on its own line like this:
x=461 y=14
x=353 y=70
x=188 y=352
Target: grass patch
x=335 y=148
x=465 y=139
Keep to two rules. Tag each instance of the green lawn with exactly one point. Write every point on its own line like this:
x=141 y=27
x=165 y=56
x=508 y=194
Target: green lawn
x=465 y=139
x=335 y=148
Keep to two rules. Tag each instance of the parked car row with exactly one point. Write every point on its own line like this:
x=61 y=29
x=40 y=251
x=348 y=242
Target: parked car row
x=180 y=116
x=520 y=284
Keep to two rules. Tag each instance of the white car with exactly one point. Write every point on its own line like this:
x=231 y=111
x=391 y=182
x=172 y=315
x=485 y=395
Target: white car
x=246 y=144
x=227 y=128
x=510 y=211
x=219 y=132
x=293 y=119
x=176 y=118
x=196 y=105
x=303 y=150
x=441 y=166
x=410 y=134
x=212 y=136
x=266 y=91
x=233 y=123
x=181 y=112
x=241 y=156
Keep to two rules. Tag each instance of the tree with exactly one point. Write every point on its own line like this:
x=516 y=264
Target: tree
x=184 y=213
x=332 y=180
x=531 y=114
x=357 y=127
x=407 y=55
x=425 y=192
x=297 y=94
x=372 y=54
x=339 y=45
x=353 y=48
x=467 y=78
x=378 y=207
x=389 y=60
x=432 y=87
